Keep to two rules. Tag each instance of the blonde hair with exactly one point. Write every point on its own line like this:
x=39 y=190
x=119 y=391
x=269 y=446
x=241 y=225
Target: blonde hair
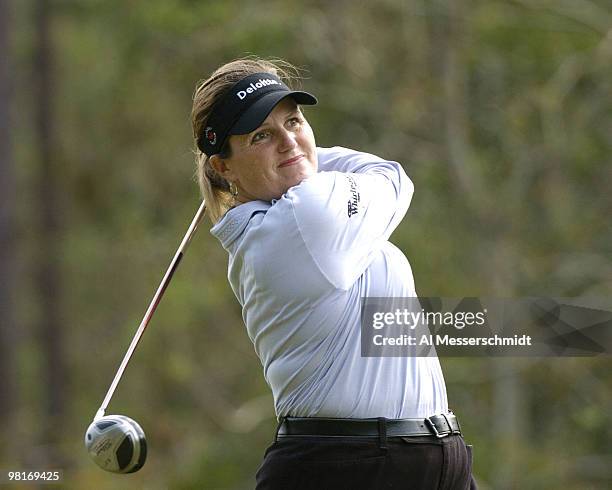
x=214 y=188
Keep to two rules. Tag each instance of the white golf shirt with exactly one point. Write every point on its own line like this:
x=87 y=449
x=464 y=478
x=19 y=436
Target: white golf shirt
x=300 y=266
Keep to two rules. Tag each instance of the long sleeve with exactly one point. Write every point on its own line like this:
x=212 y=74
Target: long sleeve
x=343 y=216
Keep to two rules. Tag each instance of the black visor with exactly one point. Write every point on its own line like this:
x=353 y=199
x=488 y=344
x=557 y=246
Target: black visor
x=244 y=107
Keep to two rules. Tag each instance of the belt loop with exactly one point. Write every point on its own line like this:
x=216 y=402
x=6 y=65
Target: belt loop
x=281 y=420
x=382 y=433
x=450 y=427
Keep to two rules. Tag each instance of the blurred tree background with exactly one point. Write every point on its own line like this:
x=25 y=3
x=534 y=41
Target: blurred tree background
x=500 y=111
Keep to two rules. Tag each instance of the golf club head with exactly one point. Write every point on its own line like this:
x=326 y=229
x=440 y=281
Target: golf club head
x=116 y=443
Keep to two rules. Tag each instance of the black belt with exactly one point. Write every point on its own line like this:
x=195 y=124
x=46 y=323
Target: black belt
x=441 y=425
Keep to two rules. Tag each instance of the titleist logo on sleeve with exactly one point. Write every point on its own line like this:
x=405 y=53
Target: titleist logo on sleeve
x=253 y=87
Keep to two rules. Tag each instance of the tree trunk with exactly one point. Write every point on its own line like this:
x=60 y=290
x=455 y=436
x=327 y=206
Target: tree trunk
x=7 y=236
x=49 y=256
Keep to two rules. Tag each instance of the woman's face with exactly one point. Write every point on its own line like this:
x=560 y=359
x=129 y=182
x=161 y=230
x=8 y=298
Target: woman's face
x=276 y=156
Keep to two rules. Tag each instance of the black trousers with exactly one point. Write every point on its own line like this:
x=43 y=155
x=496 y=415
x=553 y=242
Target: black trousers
x=354 y=463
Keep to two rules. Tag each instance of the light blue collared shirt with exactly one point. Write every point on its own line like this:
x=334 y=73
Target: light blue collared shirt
x=300 y=266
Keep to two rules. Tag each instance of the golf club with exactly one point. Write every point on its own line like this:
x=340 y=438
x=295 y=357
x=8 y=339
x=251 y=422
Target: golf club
x=117 y=443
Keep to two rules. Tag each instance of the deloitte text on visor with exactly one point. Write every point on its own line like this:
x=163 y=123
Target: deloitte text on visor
x=262 y=82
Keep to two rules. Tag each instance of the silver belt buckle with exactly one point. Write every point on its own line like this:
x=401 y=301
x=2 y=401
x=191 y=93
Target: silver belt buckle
x=434 y=429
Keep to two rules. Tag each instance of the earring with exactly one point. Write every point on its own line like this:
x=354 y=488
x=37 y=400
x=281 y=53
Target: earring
x=233 y=189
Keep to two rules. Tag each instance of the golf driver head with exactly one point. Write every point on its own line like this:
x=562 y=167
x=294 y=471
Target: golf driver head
x=116 y=443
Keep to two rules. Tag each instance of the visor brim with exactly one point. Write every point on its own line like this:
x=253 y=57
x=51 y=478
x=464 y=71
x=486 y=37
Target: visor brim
x=255 y=115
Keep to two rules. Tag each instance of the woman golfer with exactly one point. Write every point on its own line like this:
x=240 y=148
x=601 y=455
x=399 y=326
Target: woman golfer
x=307 y=230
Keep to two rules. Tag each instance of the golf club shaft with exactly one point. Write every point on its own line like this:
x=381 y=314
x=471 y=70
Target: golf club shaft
x=152 y=307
